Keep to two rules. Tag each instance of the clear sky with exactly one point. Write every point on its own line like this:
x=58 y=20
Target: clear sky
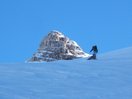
x=23 y=24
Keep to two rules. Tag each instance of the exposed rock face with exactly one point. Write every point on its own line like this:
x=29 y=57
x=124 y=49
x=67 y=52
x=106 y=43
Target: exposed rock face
x=56 y=46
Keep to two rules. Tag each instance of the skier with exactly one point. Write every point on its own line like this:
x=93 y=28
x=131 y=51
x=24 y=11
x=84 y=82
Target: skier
x=95 y=51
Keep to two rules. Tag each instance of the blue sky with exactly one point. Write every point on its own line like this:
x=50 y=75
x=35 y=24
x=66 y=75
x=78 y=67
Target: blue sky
x=23 y=24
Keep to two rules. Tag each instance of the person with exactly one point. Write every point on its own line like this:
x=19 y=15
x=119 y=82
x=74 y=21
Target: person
x=95 y=51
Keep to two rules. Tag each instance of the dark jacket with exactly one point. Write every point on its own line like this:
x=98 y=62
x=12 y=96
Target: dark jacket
x=94 y=49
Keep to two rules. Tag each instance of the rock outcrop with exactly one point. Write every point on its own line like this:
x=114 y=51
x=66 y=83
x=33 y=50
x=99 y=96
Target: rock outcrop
x=56 y=46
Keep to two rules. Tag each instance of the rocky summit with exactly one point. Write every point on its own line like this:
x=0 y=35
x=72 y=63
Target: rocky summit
x=56 y=46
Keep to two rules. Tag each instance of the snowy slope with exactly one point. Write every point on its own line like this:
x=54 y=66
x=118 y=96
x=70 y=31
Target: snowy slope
x=122 y=54
x=110 y=77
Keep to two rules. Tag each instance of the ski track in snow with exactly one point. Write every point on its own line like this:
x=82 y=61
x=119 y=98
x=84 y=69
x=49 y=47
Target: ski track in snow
x=109 y=77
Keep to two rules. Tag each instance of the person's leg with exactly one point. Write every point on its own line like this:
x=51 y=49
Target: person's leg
x=94 y=56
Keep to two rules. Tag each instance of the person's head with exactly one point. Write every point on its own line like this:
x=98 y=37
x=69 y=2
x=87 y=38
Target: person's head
x=94 y=46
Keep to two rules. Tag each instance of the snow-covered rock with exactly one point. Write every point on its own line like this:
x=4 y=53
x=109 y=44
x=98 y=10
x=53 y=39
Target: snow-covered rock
x=56 y=46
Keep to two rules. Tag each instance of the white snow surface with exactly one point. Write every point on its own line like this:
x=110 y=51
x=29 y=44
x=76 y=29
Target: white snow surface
x=109 y=77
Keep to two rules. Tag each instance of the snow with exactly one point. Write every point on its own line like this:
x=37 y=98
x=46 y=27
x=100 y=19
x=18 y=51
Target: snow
x=119 y=54
x=109 y=77
x=60 y=34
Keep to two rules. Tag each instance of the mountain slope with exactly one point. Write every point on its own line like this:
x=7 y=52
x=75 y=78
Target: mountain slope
x=107 y=78
x=122 y=54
